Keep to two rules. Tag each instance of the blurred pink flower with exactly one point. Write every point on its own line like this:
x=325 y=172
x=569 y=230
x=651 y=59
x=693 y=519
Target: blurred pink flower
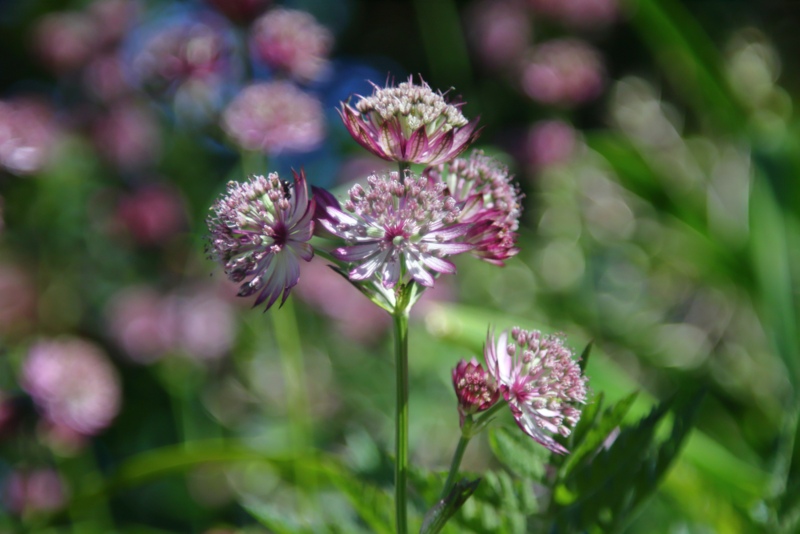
x=291 y=41
x=584 y=14
x=65 y=40
x=409 y=123
x=240 y=11
x=206 y=326
x=113 y=19
x=73 y=383
x=176 y=54
x=127 y=136
x=353 y=315
x=499 y=31
x=141 y=324
x=274 y=117
x=549 y=143
x=153 y=214
x=105 y=79
x=28 y=135
x=540 y=380
x=39 y=490
x=564 y=72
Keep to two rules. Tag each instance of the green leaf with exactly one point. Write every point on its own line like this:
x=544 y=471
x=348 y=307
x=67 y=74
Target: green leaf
x=607 y=490
x=276 y=519
x=443 y=510
x=518 y=452
x=599 y=432
x=584 y=359
x=372 y=504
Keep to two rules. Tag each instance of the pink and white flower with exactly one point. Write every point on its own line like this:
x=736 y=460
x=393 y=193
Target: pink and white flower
x=398 y=228
x=475 y=388
x=409 y=123
x=260 y=231
x=540 y=380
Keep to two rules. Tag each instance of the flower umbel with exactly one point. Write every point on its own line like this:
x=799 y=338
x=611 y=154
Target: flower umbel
x=260 y=231
x=409 y=123
x=398 y=226
x=488 y=199
x=540 y=380
x=475 y=388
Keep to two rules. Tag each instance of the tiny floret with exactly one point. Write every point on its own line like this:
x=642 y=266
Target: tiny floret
x=409 y=123
x=397 y=227
x=475 y=388
x=260 y=231
x=541 y=381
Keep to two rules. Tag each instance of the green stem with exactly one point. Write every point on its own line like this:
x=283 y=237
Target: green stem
x=455 y=465
x=400 y=317
x=287 y=337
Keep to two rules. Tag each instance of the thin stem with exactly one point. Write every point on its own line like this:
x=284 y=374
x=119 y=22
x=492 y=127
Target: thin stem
x=455 y=465
x=400 y=317
x=287 y=337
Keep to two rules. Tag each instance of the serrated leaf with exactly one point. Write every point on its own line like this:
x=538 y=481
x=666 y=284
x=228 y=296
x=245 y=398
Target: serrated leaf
x=518 y=452
x=620 y=478
x=601 y=428
x=443 y=510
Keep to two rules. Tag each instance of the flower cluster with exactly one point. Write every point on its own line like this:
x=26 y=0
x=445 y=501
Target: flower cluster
x=409 y=123
x=260 y=231
x=540 y=380
x=398 y=225
x=489 y=201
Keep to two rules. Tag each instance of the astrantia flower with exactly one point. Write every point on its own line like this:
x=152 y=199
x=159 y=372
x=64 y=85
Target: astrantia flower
x=409 y=123
x=73 y=384
x=398 y=226
x=273 y=117
x=564 y=72
x=292 y=41
x=475 y=388
x=541 y=381
x=260 y=231
x=488 y=200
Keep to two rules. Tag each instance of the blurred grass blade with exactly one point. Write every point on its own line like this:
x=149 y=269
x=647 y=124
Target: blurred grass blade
x=437 y=517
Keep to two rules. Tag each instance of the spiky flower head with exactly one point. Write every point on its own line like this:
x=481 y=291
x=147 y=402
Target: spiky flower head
x=409 y=123
x=275 y=116
x=475 y=388
x=73 y=384
x=260 y=231
x=292 y=41
x=541 y=381
x=488 y=199
x=398 y=227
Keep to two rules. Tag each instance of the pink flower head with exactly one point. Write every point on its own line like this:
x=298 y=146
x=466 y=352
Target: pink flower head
x=398 y=226
x=540 y=380
x=273 y=117
x=564 y=72
x=260 y=231
x=73 y=383
x=488 y=199
x=475 y=388
x=65 y=40
x=292 y=41
x=499 y=31
x=28 y=135
x=409 y=123
x=549 y=143
x=127 y=135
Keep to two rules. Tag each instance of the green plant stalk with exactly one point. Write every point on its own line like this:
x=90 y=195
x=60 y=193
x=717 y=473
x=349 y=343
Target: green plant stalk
x=287 y=337
x=458 y=455
x=400 y=318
